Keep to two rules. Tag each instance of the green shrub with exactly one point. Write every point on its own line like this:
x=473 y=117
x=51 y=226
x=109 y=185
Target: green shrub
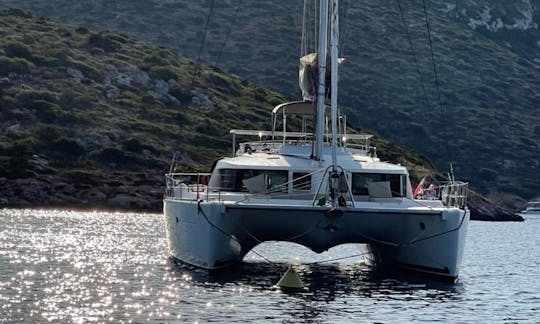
x=16 y=49
x=50 y=112
x=118 y=38
x=154 y=59
x=65 y=147
x=220 y=81
x=23 y=147
x=178 y=117
x=82 y=30
x=163 y=72
x=26 y=98
x=16 y=65
x=18 y=167
x=259 y=94
x=49 y=133
x=208 y=128
x=275 y=100
x=135 y=146
x=68 y=98
x=148 y=99
x=180 y=93
x=111 y=155
x=87 y=70
x=47 y=61
x=42 y=105
x=104 y=42
x=85 y=101
x=86 y=176
x=19 y=153
x=4 y=83
x=4 y=166
x=204 y=140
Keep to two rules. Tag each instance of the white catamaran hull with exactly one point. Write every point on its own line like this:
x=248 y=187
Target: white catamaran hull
x=213 y=235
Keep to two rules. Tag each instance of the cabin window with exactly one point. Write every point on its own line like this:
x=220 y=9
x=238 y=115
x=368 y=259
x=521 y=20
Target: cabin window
x=272 y=180
x=301 y=181
x=360 y=183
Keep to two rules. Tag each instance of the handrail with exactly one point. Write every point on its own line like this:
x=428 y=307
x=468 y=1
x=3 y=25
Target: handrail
x=452 y=194
x=178 y=184
x=196 y=181
x=289 y=134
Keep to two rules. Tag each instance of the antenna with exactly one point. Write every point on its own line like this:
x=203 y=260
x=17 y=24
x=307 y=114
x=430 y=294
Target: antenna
x=173 y=163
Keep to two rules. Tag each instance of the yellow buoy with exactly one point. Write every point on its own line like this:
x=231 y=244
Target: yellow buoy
x=290 y=280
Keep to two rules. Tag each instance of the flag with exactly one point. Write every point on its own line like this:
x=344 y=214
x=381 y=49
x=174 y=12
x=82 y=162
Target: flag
x=419 y=187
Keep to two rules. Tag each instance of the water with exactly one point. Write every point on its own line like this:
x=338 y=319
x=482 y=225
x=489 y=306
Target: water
x=63 y=266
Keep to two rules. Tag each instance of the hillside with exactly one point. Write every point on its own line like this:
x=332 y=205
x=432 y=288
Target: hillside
x=91 y=119
x=487 y=55
x=82 y=110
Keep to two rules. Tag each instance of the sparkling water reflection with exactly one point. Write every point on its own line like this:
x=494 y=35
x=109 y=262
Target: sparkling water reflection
x=66 y=266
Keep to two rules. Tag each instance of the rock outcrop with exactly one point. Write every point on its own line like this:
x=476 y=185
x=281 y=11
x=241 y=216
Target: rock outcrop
x=486 y=210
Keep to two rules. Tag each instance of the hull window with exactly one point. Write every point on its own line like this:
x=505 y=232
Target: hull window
x=361 y=183
x=255 y=181
x=301 y=181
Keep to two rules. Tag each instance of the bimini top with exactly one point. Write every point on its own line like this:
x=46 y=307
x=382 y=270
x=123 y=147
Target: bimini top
x=303 y=108
x=300 y=108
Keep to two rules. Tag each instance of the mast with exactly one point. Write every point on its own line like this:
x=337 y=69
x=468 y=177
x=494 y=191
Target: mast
x=321 y=93
x=334 y=52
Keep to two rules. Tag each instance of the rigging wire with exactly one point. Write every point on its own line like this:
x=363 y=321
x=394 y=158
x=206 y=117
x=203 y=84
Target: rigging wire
x=344 y=26
x=411 y=47
x=303 y=44
x=233 y=20
x=315 y=29
x=443 y=117
x=308 y=42
x=198 y=62
x=338 y=258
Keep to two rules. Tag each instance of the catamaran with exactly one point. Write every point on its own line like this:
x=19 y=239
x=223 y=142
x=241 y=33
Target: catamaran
x=308 y=181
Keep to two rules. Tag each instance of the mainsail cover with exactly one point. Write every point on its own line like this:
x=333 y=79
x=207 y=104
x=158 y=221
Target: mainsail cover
x=308 y=77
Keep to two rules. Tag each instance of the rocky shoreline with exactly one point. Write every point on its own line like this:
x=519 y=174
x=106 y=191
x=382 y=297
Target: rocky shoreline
x=142 y=192
x=118 y=192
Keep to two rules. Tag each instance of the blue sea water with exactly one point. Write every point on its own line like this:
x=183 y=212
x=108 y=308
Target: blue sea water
x=67 y=266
